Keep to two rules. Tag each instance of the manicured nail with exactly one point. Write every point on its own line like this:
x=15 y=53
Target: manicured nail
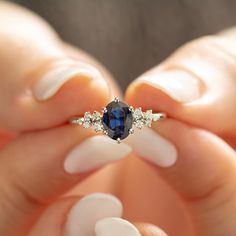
x=115 y=227
x=94 y=152
x=92 y=208
x=49 y=84
x=179 y=85
x=149 y=145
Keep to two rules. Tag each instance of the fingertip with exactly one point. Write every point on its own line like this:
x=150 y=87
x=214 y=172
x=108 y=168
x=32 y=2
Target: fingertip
x=157 y=149
x=143 y=95
x=116 y=227
x=56 y=92
x=78 y=95
x=84 y=215
x=149 y=230
x=62 y=71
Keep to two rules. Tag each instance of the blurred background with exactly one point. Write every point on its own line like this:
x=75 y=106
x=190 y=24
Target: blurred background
x=131 y=36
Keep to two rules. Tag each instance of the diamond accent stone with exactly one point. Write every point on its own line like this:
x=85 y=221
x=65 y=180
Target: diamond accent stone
x=87 y=120
x=138 y=114
x=98 y=127
x=86 y=125
x=139 y=124
x=148 y=116
x=138 y=118
x=96 y=117
x=97 y=121
x=80 y=121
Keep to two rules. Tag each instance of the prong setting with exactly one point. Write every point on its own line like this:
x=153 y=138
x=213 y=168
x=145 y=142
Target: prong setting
x=105 y=132
x=131 y=131
x=131 y=108
x=104 y=110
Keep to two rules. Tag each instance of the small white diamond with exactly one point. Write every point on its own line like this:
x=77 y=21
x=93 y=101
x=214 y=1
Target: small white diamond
x=98 y=127
x=139 y=124
x=148 y=116
x=96 y=116
x=96 y=121
x=87 y=120
x=80 y=121
x=87 y=116
x=137 y=114
x=148 y=123
x=156 y=117
x=87 y=125
x=138 y=117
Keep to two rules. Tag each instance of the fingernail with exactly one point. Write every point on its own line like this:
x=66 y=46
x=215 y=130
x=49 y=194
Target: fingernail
x=179 y=85
x=149 y=145
x=84 y=215
x=94 y=152
x=61 y=72
x=115 y=227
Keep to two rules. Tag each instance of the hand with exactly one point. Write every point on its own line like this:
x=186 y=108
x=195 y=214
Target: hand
x=44 y=82
x=193 y=150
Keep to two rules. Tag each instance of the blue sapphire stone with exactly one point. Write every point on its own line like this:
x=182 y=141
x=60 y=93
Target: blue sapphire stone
x=118 y=120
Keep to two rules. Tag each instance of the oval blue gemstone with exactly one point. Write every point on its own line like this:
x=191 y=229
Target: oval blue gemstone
x=118 y=120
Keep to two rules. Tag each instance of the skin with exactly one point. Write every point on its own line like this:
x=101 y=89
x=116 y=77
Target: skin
x=29 y=197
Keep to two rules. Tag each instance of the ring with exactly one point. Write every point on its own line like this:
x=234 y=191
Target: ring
x=117 y=119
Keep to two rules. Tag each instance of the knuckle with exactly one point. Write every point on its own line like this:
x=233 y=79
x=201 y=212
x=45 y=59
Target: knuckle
x=213 y=45
x=200 y=44
x=214 y=198
x=202 y=41
x=209 y=51
x=18 y=200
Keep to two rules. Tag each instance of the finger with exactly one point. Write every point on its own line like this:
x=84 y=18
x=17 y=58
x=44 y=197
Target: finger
x=39 y=166
x=149 y=230
x=115 y=227
x=196 y=84
x=41 y=83
x=75 y=216
x=199 y=166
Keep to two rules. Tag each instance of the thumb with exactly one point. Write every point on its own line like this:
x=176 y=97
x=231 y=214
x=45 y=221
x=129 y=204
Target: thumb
x=40 y=83
x=196 y=84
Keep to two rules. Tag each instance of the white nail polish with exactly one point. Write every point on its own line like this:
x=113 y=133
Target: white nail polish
x=57 y=76
x=84 y=215
x=149 y=145
x=115 y=227
x=94 y=152
x=179 y=85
